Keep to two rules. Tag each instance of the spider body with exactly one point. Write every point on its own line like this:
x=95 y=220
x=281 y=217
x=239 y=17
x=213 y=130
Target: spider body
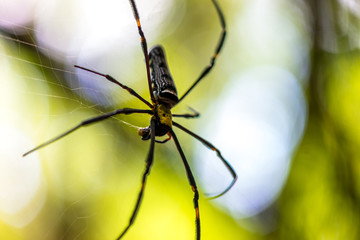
x=165 y=94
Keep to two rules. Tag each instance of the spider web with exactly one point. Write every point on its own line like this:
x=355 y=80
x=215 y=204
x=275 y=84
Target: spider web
x=37 y=96
x=22 y=51
x=45 y=95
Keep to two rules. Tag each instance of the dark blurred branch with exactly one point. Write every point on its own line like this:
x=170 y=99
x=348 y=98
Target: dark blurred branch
x=340 y=157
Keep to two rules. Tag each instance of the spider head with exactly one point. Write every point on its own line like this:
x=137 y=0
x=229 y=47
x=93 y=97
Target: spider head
x=163 y=122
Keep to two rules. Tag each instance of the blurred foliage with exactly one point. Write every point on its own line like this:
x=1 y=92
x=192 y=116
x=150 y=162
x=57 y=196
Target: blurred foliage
x=92 y=176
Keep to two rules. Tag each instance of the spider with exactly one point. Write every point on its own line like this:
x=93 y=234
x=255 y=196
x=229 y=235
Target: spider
x=163 y=96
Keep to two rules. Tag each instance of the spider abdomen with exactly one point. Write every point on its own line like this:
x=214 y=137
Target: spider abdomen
x=162 y=83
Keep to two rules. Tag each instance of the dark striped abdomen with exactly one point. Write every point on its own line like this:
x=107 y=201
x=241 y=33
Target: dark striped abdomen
x=163 y=85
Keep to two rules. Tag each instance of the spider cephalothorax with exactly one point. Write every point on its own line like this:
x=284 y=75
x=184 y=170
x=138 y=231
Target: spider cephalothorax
x=163 y=122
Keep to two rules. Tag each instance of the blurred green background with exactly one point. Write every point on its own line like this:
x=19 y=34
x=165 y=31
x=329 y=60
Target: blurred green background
x=282 y=104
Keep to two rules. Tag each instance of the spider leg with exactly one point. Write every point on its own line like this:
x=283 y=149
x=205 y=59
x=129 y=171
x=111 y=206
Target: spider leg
x=192 y=182
x=144 y=47
x=212 y=147
x=216 y=53
x=88 y=122
x=195 y=114
x=111 y=79
x=149 y=161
